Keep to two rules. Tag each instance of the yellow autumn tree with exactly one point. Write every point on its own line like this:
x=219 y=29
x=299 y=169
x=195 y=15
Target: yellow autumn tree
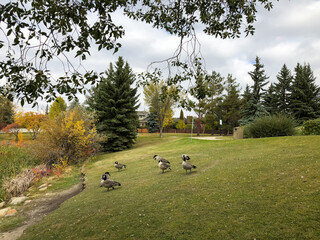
x=57 y=107
x=158 y=98
x=181 y=124
x=31 y=121
x=168 y=119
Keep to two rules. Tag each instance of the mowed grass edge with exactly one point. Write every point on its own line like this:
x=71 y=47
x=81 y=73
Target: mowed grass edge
x=245 y=189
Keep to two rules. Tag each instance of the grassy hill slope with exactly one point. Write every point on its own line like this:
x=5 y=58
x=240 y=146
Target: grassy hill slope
x=244 y=189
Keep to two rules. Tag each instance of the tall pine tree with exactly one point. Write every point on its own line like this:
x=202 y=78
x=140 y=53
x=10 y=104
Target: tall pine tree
x=152 y=123
x=254 y=104
x=271 y=100
x=6 y=112
x=283 y=89
x=115 y=102
x=305 y=99
x=231 y=104
x=181 y=115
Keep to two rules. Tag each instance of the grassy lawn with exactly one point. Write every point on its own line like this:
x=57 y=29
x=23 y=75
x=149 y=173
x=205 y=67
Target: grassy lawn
x=242 y=189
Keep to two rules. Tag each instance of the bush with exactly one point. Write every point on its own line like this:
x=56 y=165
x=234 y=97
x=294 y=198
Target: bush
x=69 y=138
x=271 y=126
x=311 y=127
x=17 y=185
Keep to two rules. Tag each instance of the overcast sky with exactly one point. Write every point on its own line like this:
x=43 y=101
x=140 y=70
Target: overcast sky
x=288 y=34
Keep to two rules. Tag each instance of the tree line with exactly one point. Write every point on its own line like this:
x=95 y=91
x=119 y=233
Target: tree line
x=113 y=103
x=214 y=98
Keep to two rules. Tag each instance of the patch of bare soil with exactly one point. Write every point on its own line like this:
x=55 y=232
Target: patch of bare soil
x=39 y=208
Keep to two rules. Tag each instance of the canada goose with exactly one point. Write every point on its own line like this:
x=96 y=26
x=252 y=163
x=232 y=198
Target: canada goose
x=187 y=165
x=109 y=183
x=119 y=166
x=163 y=166
x=156 y=157
x=105 y=176
x=185 y=157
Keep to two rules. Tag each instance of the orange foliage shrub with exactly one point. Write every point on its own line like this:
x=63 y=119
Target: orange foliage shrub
x=12 y=129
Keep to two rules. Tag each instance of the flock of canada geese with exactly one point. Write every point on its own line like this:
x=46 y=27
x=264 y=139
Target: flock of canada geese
x=163 y=164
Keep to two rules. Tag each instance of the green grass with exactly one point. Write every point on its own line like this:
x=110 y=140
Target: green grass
x=9 y=223
x=243 y=189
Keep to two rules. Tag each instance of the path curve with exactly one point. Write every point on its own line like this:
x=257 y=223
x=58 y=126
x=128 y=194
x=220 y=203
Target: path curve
x=42 y=207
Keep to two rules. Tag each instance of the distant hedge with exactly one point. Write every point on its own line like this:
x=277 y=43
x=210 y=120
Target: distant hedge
x=311 y=127
x=271 y=126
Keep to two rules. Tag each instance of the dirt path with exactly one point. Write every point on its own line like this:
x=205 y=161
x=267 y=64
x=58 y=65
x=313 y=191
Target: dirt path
x=207 y=138
x=40 y=208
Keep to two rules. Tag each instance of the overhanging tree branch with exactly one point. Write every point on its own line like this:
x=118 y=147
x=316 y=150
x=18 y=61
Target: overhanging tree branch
x=63 y=29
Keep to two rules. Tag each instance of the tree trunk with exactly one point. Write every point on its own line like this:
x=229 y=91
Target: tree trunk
x=198 y=126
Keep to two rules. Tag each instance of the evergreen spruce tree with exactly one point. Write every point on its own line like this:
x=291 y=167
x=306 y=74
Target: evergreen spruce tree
x=6 y=112
x=152 y=123
x=271 y=100
x=231 y=104
x=254 y=103
x=259 y=81
x=305 y=98
x=115 y=103
x=181 y=115
x=247 y=111
x=283 y=89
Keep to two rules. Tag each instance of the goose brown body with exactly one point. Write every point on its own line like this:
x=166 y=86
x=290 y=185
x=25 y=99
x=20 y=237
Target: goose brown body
x=119 y=166
x=109 y=183
x=187 y=166
x=163 y=166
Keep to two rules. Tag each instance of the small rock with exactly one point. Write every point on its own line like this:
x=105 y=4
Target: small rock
x=17 y=200
x=42 y=186
x=1 y=204
x=4 y=211
x=43 y=189
x=11 y=212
